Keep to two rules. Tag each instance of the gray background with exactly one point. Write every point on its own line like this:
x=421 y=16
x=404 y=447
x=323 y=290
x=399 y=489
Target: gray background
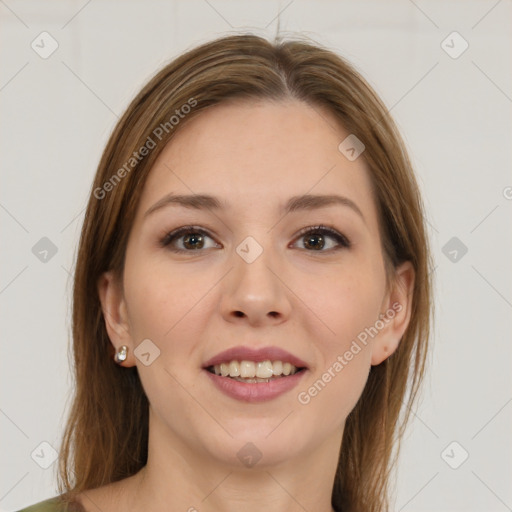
x=455 y=115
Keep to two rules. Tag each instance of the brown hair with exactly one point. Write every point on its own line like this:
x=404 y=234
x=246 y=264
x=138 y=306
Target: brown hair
x=107 y=431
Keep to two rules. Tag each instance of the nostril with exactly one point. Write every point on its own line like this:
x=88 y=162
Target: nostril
x=239 y=313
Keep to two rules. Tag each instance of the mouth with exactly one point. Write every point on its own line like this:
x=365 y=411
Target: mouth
x=255 y=375
x=252 y=372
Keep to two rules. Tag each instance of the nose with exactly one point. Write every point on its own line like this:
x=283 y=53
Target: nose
x=256 y=293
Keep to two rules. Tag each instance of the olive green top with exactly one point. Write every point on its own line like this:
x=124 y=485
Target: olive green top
x=53 y=505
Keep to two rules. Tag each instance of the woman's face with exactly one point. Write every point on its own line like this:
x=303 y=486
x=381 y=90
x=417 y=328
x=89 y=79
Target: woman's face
x=248 y=276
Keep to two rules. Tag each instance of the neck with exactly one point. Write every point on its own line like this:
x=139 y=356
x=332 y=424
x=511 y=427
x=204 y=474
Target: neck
x=184 y=476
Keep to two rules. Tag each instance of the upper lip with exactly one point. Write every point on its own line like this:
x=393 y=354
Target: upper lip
x=241 y=353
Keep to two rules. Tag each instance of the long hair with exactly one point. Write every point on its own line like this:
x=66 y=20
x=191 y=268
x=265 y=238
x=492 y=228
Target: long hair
x=106 y=436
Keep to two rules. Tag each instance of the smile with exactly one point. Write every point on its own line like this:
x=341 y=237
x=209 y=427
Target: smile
x=252 y=374
x=254 y=371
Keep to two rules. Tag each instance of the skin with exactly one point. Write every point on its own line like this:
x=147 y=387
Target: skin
x=254 y=156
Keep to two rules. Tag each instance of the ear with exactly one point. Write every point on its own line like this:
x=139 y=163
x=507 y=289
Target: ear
x=396 y=313
x=115 y=314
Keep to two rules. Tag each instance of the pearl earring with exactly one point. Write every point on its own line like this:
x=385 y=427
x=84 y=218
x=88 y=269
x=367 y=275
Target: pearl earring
x=121 y=354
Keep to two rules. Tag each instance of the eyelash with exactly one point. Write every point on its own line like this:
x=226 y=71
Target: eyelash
x=342 y=240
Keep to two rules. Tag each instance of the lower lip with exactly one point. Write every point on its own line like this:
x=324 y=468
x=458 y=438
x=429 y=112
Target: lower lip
x=255 y=391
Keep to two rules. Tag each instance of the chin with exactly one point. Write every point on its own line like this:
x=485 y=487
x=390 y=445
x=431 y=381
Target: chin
x=254 y=445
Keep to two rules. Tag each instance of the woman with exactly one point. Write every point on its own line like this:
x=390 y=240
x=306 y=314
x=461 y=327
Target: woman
x=252 y=292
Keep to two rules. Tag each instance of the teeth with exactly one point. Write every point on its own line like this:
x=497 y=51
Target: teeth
x=277 y=367
x=234 y=369
x=253 y=381
x=264 y=370
x=249 y=371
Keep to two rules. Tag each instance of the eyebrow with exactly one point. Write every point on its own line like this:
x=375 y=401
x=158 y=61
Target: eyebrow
x=295 y=203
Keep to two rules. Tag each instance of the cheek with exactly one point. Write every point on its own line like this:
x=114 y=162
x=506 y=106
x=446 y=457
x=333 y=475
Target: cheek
x=157 y=298
x=170 y=307
x=347 y=306
x=166 y=307
x=334 y=392
x=353 y=311
x=346 y=302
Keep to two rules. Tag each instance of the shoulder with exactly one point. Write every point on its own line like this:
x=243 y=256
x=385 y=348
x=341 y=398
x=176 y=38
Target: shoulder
x=108 y=497
x=53 y=505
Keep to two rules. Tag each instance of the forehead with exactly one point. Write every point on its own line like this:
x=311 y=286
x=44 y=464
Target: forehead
x=262 y=153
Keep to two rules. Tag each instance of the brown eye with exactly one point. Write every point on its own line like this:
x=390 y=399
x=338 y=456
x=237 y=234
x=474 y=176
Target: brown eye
x=187 y=239
x=193 y=241
x=314 y=241
x=323 y=239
